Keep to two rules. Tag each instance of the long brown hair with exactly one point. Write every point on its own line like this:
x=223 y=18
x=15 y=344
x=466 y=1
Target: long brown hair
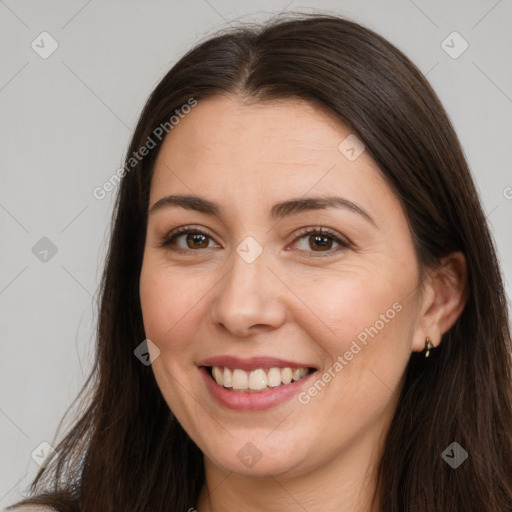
x=128 y=452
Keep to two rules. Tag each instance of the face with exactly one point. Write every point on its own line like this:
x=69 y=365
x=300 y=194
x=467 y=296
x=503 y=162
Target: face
x=290 y=254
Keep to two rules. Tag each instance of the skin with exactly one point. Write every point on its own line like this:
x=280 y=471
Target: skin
x=297 y=301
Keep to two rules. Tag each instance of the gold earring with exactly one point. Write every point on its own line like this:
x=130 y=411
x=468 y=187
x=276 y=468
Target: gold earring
x=428 y=346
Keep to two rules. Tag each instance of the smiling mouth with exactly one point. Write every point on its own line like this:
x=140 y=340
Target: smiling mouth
x=258 y=380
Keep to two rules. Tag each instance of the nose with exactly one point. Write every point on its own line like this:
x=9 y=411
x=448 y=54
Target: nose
x=248 y=300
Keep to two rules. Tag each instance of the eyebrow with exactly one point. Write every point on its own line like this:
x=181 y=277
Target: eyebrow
x=277 y=212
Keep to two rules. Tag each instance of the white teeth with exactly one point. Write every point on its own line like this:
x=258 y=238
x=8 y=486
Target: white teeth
x=296 y=373
x=228 y=378
x=217 y=375
x=240 y=379
x=274 y=377
x=256 y=380
x=286 y=375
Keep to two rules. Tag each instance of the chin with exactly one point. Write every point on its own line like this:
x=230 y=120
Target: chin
x=254 y=455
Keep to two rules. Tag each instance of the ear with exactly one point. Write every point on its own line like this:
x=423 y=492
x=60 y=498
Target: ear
x=443 y=299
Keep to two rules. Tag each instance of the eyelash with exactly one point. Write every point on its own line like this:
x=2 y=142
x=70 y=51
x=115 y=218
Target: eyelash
x=343 y=243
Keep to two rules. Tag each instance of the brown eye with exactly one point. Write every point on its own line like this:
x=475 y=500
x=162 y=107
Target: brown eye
x=196 y=241
x=188 y=238
x=321 y=240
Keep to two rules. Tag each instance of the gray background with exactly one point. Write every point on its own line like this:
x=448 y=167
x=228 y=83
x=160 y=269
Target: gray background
x=65 y=125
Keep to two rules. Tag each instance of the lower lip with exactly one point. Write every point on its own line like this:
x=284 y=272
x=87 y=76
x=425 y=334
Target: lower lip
x=256 y=401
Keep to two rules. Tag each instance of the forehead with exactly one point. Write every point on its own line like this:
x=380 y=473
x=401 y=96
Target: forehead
x=226 y=124
x=268 y=150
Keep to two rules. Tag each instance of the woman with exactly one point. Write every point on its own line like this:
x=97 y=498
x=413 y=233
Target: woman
x=301 y=307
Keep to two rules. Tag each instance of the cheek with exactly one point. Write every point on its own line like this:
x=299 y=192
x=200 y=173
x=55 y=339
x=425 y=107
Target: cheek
x=351 y=308
x=364 y=327
x=167 y=301
x=171 y=308
x=366 y=348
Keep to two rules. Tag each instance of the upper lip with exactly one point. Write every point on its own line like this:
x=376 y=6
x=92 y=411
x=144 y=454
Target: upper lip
x=252 y=363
